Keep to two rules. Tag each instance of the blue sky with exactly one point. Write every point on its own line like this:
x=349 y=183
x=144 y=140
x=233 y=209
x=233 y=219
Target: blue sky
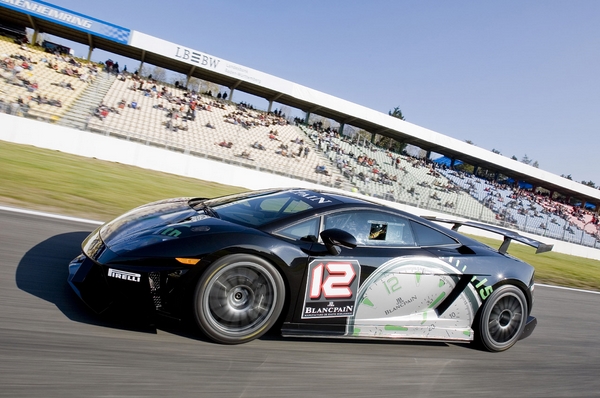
x=521 y=77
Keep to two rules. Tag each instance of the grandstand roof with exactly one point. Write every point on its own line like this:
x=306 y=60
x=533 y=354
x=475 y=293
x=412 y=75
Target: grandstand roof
x=57 y=21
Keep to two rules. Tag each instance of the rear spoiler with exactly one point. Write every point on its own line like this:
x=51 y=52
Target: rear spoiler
x=508 y=235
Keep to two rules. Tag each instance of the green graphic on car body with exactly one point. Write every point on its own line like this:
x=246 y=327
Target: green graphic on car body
x=401 y=299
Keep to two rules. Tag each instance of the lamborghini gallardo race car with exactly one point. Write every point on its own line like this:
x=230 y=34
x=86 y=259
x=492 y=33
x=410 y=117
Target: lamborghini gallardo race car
x=311 y=263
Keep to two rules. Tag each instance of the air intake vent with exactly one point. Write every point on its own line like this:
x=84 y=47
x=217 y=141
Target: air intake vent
x=154 y=279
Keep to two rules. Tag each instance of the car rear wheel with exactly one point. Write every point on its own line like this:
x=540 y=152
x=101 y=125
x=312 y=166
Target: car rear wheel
x=502 y=318
x=238 y=299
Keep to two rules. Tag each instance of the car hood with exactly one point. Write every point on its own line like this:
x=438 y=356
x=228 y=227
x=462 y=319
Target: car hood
x=153 y=223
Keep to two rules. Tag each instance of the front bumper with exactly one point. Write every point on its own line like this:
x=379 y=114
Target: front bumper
x=89 y=282
x=102 y=286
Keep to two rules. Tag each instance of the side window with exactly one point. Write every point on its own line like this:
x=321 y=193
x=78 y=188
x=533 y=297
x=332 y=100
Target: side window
x=371 y=228
x=426 y=236
x=308 y=230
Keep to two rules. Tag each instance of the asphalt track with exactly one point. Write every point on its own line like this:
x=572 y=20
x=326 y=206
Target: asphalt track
x=52 y=346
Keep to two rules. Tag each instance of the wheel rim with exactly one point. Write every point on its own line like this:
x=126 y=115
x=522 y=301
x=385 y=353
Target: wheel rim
x=240 y=298
x=505 y=319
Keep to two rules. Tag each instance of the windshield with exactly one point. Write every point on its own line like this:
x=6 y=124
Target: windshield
x=256 y=210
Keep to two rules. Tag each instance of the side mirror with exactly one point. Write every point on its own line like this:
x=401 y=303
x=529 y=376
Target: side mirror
x=332 y=238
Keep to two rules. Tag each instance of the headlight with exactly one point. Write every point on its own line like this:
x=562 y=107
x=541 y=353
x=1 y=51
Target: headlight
x=532 y=287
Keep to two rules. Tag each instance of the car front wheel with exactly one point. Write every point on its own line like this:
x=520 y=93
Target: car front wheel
x=502 y=318
x=238 y=299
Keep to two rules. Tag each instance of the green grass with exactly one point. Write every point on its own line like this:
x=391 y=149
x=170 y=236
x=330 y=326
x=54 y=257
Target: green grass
x=41 y=179
x=555 y=268
x=53 y=181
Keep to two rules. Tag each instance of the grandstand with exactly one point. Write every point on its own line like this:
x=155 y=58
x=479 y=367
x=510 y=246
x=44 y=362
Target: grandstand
x=161 y=114
x=41 y=83
x=61 y=89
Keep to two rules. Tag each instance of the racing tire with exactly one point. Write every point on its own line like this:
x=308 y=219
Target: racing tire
x=502 y=319
x=238 y=299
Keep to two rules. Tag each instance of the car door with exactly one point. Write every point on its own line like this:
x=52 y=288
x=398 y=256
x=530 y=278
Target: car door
x=388 y=285
x=331 y=283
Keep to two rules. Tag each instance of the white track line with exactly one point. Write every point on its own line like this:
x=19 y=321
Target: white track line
x=567 y=288
x=48 y=215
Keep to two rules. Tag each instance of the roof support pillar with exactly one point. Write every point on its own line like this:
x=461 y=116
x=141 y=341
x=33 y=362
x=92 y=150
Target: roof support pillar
x=276 y=97
x=139 y=71
x=307 y=117
x=34 y=37
x=341 y=129
x=189 y=76
x=232 y=89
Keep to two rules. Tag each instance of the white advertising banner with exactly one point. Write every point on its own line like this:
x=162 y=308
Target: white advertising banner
x=209 y=62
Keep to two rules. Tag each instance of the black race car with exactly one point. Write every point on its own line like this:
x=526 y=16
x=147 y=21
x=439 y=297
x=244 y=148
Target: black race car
x=313 y=263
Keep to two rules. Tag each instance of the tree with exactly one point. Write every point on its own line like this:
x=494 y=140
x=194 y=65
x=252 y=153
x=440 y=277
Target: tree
x=469 y=142
x=159 y=74
x=496 y=151
x=198 y=85
x=286 y=111
x=466 y=168
x=397 y=113
x=363 y=135
x=513 y=157
x=568 y=177
x=388 y=142
x=144 y=71
x=320 y=121
x=589 y=183
x=527 y=160
x=193 y=84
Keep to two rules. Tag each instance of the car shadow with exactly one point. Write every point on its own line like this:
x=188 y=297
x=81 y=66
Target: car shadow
x=43 y=272
x=275 y=336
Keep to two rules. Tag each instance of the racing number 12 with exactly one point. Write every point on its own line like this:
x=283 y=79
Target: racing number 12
x=337 y=283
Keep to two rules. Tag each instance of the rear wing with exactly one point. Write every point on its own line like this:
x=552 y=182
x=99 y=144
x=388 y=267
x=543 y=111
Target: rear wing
x=508 y=235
